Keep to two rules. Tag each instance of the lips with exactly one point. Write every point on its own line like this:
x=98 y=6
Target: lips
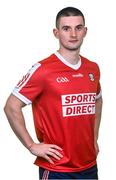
x=73 y=41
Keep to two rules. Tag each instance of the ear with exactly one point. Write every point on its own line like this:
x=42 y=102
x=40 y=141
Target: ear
x=85 y=31
x=55 y=32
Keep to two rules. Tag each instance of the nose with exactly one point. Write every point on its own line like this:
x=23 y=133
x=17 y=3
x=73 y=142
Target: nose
x=73 y=33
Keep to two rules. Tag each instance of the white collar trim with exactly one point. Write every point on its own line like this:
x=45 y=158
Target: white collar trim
x=75 y=66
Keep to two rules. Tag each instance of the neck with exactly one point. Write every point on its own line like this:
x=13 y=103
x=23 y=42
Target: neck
x=70 y=56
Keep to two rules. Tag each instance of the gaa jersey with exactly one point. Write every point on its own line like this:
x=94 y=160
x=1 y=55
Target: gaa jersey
x=63 y=100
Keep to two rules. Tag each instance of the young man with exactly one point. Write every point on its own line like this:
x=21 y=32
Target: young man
x=65 y=94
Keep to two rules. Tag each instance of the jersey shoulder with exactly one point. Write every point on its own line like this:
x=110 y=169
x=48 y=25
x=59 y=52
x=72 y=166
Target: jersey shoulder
x=39 y=68
x=48 y=64
x=48 y=61
x=89 y=64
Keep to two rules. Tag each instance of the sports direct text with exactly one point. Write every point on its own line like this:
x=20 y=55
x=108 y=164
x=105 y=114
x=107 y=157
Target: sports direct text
x=78 y=104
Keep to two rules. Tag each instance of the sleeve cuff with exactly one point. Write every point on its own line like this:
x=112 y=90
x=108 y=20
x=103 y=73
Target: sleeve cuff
x=99 y=95
x=21 y=97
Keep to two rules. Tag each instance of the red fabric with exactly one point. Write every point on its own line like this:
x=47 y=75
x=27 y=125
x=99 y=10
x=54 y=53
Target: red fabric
x=63 y=103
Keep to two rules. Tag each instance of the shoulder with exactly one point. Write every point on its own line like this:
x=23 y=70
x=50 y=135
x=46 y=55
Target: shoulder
x=43 y=67
x=40 y=64
x=89 y=63
x=48 y=60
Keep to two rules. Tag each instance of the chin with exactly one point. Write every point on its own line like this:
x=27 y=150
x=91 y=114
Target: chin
x=72 y=48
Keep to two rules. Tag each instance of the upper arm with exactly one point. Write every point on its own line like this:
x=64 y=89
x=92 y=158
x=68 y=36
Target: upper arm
x=98 y=104
x=14 y=103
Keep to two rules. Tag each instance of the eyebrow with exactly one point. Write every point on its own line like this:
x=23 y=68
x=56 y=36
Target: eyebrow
x=68 y=26
x=65 y=26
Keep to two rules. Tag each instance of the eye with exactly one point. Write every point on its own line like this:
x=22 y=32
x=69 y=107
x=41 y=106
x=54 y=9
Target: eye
x=66 y=28
x=80 y=27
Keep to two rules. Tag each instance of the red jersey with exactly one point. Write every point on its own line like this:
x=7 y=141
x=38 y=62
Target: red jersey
x=63 y=101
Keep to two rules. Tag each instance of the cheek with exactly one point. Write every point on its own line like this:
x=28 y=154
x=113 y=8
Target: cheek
x=82 y=35
x=62 y=38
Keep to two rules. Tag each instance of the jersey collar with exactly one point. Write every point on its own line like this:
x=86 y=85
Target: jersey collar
x=61 y=58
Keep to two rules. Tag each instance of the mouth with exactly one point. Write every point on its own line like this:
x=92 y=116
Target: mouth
x=73 y=41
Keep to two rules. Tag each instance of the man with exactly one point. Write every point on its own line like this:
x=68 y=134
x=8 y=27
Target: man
x=65 y=94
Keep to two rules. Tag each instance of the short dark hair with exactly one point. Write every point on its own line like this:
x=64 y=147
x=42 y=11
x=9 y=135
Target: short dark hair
x=68 y=11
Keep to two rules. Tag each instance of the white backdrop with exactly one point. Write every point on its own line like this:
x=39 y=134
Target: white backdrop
x=25 y=38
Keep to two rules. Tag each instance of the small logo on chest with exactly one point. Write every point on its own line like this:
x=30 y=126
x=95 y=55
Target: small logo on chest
x=91 y=77
x=62 y=79
x=77 y=75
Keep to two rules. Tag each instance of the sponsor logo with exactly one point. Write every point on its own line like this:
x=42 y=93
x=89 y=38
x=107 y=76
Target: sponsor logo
x=78 y=104
x=77 y=75
x=23 y=80
x=62 y=79
x=91 y=77
x=26 y=77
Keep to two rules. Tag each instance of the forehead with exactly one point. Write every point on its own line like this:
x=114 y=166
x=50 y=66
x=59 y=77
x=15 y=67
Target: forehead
x=71 y=21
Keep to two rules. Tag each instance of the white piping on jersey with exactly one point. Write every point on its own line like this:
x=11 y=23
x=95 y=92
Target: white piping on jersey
x=17 y=89
x=99 y=95
x=21 y=97
x=75 y=66
x=30 y=72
